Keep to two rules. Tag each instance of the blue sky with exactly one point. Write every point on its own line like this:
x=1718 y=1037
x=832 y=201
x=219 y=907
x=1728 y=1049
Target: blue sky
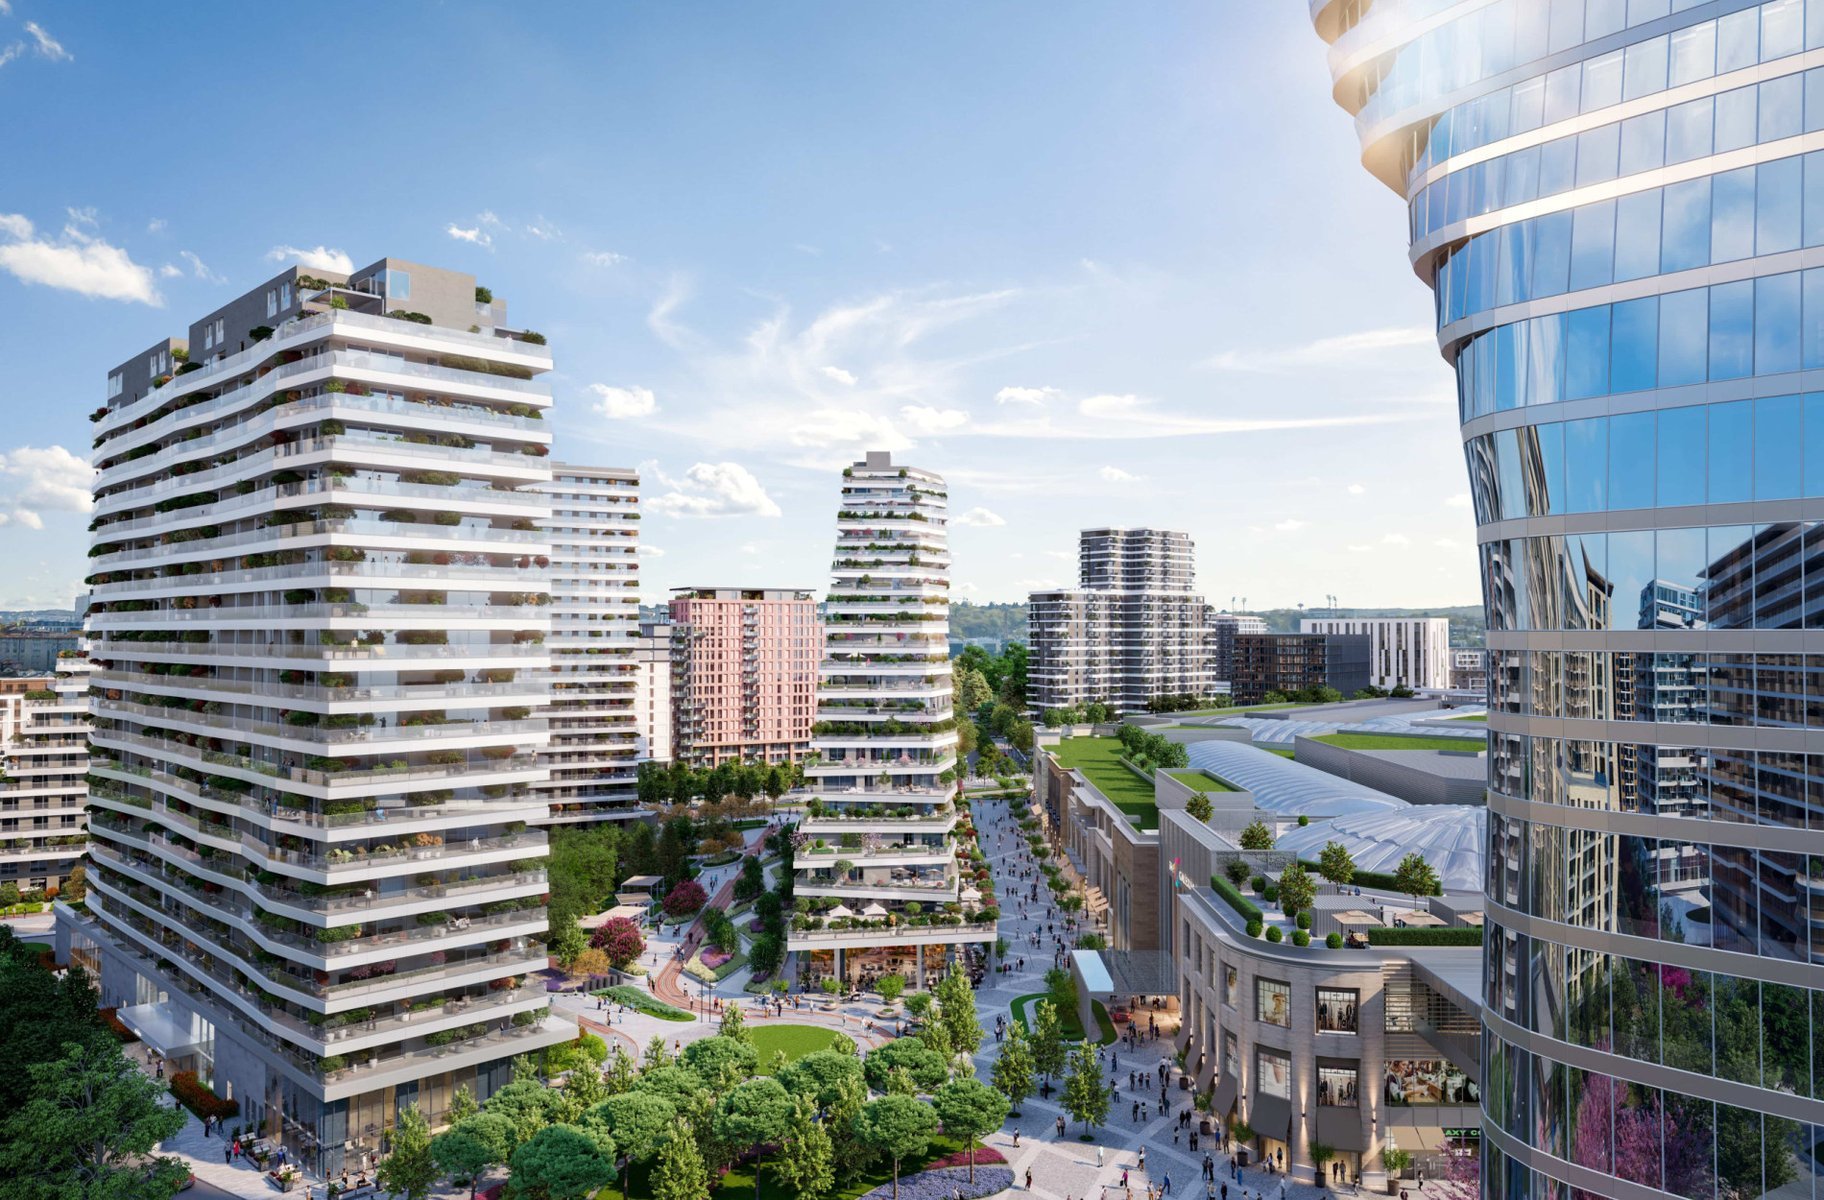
x=1098 y=264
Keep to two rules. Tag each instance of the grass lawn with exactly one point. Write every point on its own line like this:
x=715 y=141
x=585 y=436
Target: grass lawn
x=1379 y=741
x=738 y=1184
x=1238 y=709
x=1282 y=751
x=795 y=1040
x=1202 y=780
x=1482 y=717
x=1067 y=1020
x=1099 y=758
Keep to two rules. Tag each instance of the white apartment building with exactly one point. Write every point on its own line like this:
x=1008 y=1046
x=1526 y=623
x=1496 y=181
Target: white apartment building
x=1414 y=651
x=878 y=876
x=44 y=759
x=594 y=750
x=1132 y=629
x=318 y=623
x=652 y=691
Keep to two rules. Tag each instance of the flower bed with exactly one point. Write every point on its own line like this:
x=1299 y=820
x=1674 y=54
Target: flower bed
x=713 y=966
x=984 y=1156
x=113 y=1022
x=946 y=1184
x=190 y=1092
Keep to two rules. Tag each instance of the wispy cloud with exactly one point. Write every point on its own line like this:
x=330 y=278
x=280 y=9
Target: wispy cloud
x=318 y=258
x=979 y=516
x=474 y=235
x=603 y=258
x=46 y=45
x=1026 y=395
x=74 y=261
x=1290 y=525
x=1117 y=475
x=1342 y=350
x=36 y=480
x=1356 y=489
x=845 y=378
x=199 y=268
x=923 y=419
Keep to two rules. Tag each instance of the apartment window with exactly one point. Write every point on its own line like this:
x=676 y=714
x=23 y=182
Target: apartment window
x=1273 y=1073
x=1336 y=1011
x=1273 y=1001
x=117 y=383
x=272 y=302
x=398 y=285
x=1231 y=1056
x=221 y=336
x=208 y=336
x=284 y=297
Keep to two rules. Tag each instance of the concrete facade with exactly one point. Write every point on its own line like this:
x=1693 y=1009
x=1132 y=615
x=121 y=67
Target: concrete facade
x=44 y=761
x=1415 y=776
x=652 y=691
x=743 y=674
x=1412 y=652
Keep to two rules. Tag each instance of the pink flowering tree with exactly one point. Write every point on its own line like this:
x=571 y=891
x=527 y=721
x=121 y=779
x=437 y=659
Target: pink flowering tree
x=686 y=897
x=620 y=939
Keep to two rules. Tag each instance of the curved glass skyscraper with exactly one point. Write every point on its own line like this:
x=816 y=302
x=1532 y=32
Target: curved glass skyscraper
x=1620 y=207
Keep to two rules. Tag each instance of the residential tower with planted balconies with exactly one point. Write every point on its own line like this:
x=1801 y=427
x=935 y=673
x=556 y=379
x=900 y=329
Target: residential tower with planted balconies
x=318 y=627
x=881 y=874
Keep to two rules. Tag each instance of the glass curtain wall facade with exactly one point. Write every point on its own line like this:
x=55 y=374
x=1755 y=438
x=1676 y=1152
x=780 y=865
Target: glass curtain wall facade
x=1619 y=205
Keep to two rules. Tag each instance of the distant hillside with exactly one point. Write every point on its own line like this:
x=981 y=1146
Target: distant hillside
x=987 y=620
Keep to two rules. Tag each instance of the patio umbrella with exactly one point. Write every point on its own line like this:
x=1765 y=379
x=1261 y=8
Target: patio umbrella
x=841 y=910
x=970 y=894
x=876 y=909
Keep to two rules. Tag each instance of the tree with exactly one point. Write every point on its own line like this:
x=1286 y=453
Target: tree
x=620 y=939
x=899 y=1127
x=527 y=1106
x=465 y=1151
x=1297 y=891
x=1257 y=836
x=1047 y=1039
x=591 y=964
x=1053 y=718
x=927 y=1067
x=567 y=942
x=1085 y=1096
x=972 y=691
x=1336 y=864
x=409 y=1171
x=734 y=1025
x=1321 y=1153
x=686 y=897
x=583 y=1089
x=820 y=1076
x=680 y=1173
x=1415 y=877
x=563 y=1162
x=721 y=1062
x=806 y=1164
x=1019 y=736
x=1097 y=713
x=87 y=1128
x=1199 y=806
x=638 y=1123
x=891 y=988
x=1012 y=1071
x=969 y=1109
x=757 y=1113
x=956 y=1011
x=462 y=1104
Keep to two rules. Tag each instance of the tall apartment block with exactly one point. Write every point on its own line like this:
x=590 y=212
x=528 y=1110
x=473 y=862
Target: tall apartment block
x=1412 y=652
x=1616 y=207
x=743 y=674
x=1225 y=627
x=44 y=759
x=1291 y=662
x=652 y=691
x=593 y=753
x=879 y=863
x=1130 y=631
x=319 y=628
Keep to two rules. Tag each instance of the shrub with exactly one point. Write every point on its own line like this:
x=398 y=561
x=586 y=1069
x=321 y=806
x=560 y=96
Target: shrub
x=190 y=1092
x=1387 y=935
x=1247 y=909
x=620 y=939
x=1301 y=937
x=1304 y=919
x=1236 y=870
x=1254 y=929
x=1274 y=935
x=1334 y=941
x=638 y=1000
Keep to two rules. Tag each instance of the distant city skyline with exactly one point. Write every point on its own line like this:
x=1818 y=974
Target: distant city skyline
x=764 y=245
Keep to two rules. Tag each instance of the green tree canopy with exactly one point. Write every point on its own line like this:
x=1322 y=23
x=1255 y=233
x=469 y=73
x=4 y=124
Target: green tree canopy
x=1336 y=864
x=721 y=1062
x=755 y=1113
x=1047 y=1039
x=679 y=1173
x=1085 y=1095
x=409 y=1171
x=1199 y=806
x=677 y=1084
x=971 y=1110
x=1297 y=890
x=638 y=1122
x=927 y=1067
x=562 y=1162
x=806 y=1163
x=469 y=1147
x=1013 y=1068
x=956 y=1011
x=899 y=1127
x=87 y=1130
x=1257 y=836
x=1415 y=876
x=820 y=1076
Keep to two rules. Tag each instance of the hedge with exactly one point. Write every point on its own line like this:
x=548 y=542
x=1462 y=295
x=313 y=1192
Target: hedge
x=1373 y=879
x=638 y=1000
x=1389 y=935
x=191 y=1093
x=1236 y=901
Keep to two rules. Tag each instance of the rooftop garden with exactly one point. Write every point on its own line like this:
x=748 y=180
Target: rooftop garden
x=1201 y=780
x=1099 y=758
x=1395 y=741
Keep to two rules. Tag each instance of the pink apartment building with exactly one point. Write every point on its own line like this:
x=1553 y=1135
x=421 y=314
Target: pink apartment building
x=743 y=673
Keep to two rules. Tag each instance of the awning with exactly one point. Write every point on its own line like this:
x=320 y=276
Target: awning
x=1340 y=1127
x=168 y=1030
x=1271 y=1117
x=1225 y=1097
x=1419 y=1139
x=1093 y=972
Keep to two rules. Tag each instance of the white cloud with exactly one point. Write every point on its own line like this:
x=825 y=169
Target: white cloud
x=88 y=218
x=1446 y=543
x=970 y=588
x=6 y=8
x=199 y=269
x=1117 y=475
x=979 y=516
x=603 y=258
x=155 y=225
x=807 y=248
x=659 y=317
x=647 y=550
x=1460 y=500
x=320 y=258
x=723 y=489
x=75 y=262
x=48 y=46
x=1289 y=525
x=170 y=271
x=826 y=428
x=35 y=480
x=1026 y=395
x=544 y=231
x=1036 y=585
x=923 y=419
x=619 y=404
x=1343 y=350
x=1395 y=539
x=10 y=52
x=1065 y=555
x=1356 y=489
x=475 y=236
x=845 y=378
x=1360 y=549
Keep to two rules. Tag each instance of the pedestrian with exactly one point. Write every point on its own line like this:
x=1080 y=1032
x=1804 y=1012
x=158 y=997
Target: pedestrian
x=1168 y=1183
x=1016 y=1137
x=1029 y=1179
x=1143 y=1158
x=1098 y=1158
